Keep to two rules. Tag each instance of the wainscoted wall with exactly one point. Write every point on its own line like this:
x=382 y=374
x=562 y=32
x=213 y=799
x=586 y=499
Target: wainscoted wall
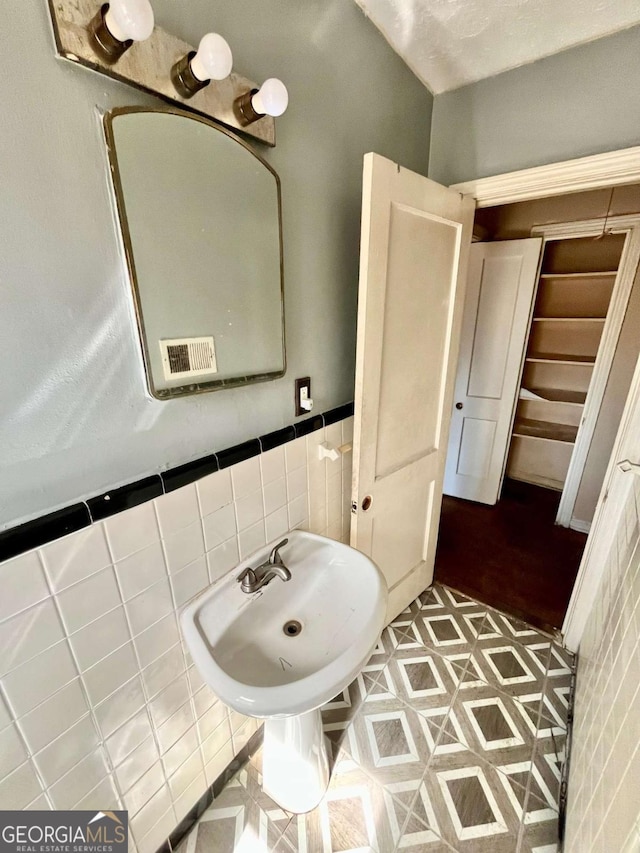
x=100 y=705
x=604 y=774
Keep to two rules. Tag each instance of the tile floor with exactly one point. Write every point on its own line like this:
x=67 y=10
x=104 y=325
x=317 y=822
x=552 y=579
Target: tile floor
x=451 y=739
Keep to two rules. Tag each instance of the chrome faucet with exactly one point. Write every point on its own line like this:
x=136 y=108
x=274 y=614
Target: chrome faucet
x=251 y=580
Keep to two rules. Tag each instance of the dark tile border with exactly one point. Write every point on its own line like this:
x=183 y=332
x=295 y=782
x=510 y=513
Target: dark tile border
x=239 y=453
x=176 y=478
x=125 y=497
x=338 y=414
x=41 y=530
x=277 y=438
x=54 y=525
x=195 y=813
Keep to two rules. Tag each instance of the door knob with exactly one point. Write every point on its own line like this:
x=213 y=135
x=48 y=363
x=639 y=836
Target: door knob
x=366 y=503
x=459 y=405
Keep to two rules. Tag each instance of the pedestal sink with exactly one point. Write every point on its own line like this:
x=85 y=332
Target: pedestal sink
x=282 y=652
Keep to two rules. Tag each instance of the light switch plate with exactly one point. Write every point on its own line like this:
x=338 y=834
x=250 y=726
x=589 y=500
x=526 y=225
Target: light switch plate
x=304 y=383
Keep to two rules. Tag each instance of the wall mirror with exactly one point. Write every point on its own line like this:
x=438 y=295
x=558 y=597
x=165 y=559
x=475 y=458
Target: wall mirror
x=200 y=214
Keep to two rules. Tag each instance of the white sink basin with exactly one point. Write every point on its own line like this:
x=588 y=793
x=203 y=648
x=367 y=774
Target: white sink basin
x=242 y=647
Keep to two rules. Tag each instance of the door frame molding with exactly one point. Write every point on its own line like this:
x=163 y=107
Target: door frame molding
x=598 y=171
x=611 y=169
x=606 y=523
x=627 y=268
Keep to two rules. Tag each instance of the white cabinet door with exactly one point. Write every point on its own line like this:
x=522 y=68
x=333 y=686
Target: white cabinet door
x=500 y=289
x=414 y=246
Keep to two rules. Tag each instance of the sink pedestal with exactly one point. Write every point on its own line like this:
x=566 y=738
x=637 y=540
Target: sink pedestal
x=295 y=764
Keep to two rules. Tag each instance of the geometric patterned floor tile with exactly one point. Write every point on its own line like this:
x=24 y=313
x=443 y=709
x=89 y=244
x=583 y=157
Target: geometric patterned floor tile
x=450 y=740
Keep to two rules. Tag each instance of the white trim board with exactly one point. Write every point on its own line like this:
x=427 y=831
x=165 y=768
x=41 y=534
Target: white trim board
x=627 y=268
x=580 y=526
x=608 y=519
x=613 y=168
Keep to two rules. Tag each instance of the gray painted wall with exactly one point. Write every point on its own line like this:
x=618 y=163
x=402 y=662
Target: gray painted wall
x=75 y=418
x=580 y=102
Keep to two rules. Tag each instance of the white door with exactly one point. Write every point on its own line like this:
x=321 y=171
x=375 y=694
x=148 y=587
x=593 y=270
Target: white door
x=414 y=246
x=497 y=311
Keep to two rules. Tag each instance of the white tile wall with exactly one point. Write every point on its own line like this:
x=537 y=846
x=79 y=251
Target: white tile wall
x=604 y=774
x=100 y=705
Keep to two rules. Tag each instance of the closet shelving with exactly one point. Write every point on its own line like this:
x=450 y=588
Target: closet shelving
x=573 y=298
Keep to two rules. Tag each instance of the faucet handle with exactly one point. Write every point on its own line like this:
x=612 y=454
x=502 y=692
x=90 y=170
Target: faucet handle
x=274 y=556
x=249 y=574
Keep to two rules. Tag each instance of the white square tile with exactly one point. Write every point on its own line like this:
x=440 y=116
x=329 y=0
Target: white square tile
x=190 y=581
x=120 y=706
x=110 y=674
x=180 y=751
x=123 y=741
x=75 y=557
x=5 y=716
x=295 y=454
x=157 y=639
x=58 y=757
x=77 y=783
x=141 y=570
x=29 y=633
x=314 y=439
x=164 y=671
x=186 y=774
x=141 y=792
x=277 y=524
x=184 y=803
x=148 y=816
x=246 y=477
x=214 y=491
x=149 y=607
x=39 y=678
x=216 y=714
x=251 y=539
x=169 y=701
x=297 y=483
x=12 y=750
x=219 y=526
x=272 y=465
x=298 y=512
x=249 y=510
x=347 y=430
x=19 y=788
x=275 y=495
x=23 y=584
x=132 y=530
x=99 y=639
x=177 y=509
x=184 y=547
x=103 y=796
x=53 y=717
x=222 y=559
x=156 y=836
x=88 y=600
x=174 y=728
x=218 y=763
x=242 y=736
x=212 y=744
x=139 y=762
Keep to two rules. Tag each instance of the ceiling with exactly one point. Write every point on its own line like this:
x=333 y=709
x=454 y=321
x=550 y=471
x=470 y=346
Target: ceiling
x=449 y=43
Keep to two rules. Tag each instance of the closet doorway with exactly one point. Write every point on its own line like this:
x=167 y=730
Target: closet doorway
x=543 y=446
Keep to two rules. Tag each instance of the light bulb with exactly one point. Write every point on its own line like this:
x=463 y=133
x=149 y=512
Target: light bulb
x=130 y=19
x=214 y=60
x=271 y=99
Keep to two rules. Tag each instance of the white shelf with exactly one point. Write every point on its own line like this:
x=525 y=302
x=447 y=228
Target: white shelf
x=557 y=395
x=557 y=358
x=575 y=275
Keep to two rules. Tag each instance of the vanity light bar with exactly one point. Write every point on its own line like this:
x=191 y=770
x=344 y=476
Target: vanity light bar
x=120 y=39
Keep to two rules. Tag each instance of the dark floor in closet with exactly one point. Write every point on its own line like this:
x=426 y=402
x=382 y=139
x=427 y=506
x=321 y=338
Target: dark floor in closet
x=511 y=556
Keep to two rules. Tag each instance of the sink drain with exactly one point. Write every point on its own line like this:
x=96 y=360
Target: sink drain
x=292 y=628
